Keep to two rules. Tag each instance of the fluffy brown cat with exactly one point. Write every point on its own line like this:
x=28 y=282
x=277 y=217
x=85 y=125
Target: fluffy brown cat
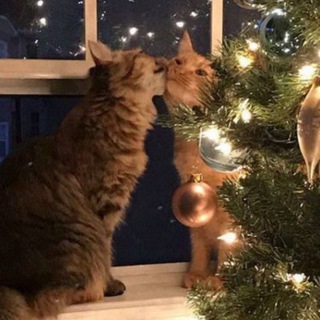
x=61 y=197
x=187 y=72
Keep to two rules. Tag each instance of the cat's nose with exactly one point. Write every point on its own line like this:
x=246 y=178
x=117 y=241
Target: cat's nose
x=162 y=62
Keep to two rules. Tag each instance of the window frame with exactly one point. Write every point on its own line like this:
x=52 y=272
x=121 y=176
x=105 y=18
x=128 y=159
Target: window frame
x=67 y=77
x=217 y=22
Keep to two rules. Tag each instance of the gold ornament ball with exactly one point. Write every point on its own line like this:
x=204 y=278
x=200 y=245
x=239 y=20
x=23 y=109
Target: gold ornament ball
x=194 y=203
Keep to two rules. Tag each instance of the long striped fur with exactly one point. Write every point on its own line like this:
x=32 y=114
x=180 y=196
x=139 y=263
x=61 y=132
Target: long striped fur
x=62 y=196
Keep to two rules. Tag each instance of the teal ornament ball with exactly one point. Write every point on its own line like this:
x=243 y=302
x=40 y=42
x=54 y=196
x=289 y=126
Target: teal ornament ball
x=277 y=34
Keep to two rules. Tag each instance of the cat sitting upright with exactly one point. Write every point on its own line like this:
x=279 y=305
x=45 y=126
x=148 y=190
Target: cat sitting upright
x=62 y=196
x=188 y=73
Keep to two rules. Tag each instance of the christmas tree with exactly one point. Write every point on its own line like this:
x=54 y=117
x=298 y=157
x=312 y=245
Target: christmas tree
x=261 y=116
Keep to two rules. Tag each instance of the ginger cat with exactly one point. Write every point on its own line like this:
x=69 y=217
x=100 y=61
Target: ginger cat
x=186 y=73
x=62 y=196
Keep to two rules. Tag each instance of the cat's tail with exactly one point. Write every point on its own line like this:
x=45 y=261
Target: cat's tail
x=15 y=306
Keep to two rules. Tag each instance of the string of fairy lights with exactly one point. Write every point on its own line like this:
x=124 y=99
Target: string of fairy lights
x=245 y=60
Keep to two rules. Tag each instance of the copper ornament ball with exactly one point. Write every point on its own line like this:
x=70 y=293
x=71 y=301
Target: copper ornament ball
x=194 y=203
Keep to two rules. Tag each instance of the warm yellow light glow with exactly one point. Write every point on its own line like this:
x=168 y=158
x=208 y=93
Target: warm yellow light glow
x=246 y=116
x=253 y=46
x=133 y=31
x=244 y=61
x=298 y=278
x=229 y=238
x=180 y=24
x=278 y=11
x=211 y=133
x=225 y=147
x=43 y=21
x=307 y=72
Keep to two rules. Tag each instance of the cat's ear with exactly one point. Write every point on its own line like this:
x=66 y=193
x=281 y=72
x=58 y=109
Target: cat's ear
x=100 y=52
x=185 y=44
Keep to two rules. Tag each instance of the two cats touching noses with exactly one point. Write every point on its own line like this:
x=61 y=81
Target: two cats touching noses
x=62 y=196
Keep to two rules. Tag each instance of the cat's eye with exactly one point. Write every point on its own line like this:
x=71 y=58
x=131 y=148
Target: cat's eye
x=201 y=72
x=178 y=61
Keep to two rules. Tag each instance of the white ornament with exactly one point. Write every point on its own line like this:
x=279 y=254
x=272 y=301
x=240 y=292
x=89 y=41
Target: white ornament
x=309 y=128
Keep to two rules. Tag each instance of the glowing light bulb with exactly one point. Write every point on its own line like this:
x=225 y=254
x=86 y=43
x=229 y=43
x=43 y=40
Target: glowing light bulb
x=286 y=37
x=133 y=31
x=278 y=12
x=229 y=238
x=253 y=46
x=82 y=48
x=244 y=61
x=40 y=3
x=194 y=14
x=150 y=34
x=224 y=147
x=180 y=24
x=211 y=133
x=43 y=21
x=123 y=39
x=307 y=72
x=246 y=116
x=298 y=278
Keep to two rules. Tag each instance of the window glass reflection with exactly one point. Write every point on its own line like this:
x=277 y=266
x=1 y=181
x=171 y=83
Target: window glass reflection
x=154 y=25
x=42 y=29
x=235 y=18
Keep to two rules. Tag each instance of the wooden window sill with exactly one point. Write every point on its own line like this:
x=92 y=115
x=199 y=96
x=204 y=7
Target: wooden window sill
x=153 y=292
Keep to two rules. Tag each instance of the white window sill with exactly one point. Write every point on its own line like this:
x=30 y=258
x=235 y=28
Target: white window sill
x=153 y=292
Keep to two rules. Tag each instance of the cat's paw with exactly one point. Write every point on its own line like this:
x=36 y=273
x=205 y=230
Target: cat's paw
x=114 y=288
x=212 y=283
x=190 y=279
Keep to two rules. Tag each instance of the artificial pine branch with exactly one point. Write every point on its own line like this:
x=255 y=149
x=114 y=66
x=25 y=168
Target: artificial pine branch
x=277 y=212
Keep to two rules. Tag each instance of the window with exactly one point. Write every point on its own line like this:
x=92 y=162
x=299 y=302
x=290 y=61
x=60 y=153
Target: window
x=4 y=140
x=42 y=30
x=34 y=91
x=154 y=25
x=235 y=17
x=46 y=39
